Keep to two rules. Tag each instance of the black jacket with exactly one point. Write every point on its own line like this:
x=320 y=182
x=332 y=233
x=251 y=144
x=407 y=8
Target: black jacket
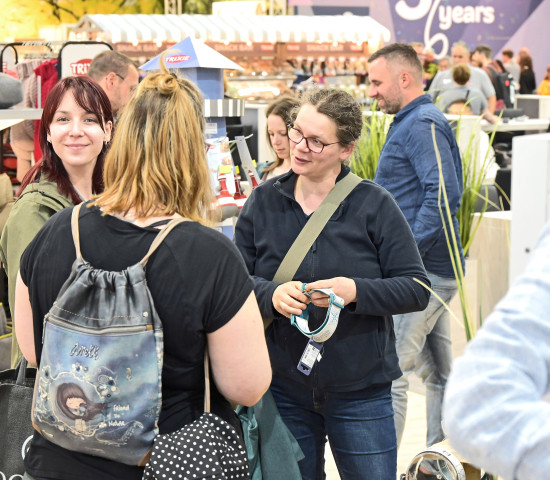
x=367 y=239
x=527 y=83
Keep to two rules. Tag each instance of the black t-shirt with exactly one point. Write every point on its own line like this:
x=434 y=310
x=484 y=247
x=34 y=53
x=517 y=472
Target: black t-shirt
x=198 y=282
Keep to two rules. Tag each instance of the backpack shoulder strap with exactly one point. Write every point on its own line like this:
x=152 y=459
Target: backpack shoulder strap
x=161 y=236
x=156 y=242
x=75 y=230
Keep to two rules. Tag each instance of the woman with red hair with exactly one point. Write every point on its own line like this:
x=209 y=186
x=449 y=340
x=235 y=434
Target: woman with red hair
x=75 y=130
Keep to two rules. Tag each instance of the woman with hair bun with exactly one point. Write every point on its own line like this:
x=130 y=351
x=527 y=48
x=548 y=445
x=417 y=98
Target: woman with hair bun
x=155 y=171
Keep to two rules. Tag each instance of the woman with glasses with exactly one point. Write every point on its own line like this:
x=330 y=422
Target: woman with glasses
x=278 y=118
x=367 y=256
x=117 y=75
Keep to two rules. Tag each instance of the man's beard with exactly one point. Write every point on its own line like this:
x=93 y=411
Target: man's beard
x=391 y=107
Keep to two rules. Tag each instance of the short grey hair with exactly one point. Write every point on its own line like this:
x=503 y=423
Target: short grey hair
x=403 y=54
x=107 y=62
x=462 y=44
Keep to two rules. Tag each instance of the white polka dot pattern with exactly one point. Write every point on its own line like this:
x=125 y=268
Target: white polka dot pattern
x=206 y=448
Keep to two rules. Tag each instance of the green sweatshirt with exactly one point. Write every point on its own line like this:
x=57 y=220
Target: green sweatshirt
x=38 y=202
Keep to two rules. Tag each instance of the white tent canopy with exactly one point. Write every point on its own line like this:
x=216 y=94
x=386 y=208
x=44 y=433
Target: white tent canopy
x=242 y=28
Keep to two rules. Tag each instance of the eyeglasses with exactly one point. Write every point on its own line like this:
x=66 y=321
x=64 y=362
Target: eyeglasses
x=120 y=76
x=313 y=144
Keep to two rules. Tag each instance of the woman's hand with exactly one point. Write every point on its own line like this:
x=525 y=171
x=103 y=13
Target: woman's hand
x=288 y=299
x=344 y=287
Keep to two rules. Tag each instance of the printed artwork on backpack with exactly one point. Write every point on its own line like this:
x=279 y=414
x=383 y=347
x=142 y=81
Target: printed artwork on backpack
x=98 y=388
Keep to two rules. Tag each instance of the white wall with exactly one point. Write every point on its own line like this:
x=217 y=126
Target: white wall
x=530 y=197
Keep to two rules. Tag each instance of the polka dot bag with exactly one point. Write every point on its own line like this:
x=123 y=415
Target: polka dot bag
x=207 y=448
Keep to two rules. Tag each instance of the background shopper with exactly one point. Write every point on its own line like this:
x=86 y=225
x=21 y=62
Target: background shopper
x=117 y=75
x=278 y=114
x=527 y=82
x=479 y=80
x=408 y=169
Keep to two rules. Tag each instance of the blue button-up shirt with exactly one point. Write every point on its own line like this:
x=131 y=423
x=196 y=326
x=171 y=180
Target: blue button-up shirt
x=496 y=410
x=408 y=169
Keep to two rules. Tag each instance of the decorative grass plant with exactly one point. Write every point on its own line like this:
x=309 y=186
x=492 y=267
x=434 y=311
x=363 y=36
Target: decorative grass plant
x=364 y=161
x=474 y=172
x=454 y=250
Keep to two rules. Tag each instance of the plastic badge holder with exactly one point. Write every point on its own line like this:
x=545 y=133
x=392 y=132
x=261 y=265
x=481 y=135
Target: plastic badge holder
x=311 y=354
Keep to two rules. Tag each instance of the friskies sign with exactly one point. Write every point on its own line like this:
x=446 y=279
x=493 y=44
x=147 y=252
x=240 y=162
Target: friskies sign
x=440 y=23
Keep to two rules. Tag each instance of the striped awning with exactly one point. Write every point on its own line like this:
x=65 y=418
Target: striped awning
x=233 y=107
x=242 y=28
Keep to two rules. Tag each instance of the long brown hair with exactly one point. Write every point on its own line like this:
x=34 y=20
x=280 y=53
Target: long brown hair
x=525 y=63
x=91 y=97
x=283 y=107
x=157 y=162
x=65 y=391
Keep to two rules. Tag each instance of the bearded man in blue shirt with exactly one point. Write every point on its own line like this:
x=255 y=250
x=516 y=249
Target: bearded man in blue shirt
x=408 y=169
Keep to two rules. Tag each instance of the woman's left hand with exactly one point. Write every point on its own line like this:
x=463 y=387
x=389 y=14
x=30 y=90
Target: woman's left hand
x=342 y=286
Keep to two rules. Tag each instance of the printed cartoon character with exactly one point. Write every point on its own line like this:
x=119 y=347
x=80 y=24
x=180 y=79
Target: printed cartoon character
x=72 y=401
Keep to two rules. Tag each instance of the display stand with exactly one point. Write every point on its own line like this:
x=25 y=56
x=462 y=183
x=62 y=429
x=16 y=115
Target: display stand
x=229 y=216
x=10 y=55
x=246 y=160
x=74 y=58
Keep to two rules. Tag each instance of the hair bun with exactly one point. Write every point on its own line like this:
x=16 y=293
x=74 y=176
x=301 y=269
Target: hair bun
x=167 y=83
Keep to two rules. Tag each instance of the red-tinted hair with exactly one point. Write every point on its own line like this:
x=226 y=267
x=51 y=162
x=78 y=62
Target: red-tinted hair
x=91 y=97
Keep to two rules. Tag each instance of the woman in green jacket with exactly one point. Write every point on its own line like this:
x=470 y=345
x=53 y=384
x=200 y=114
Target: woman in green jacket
x=75 y=130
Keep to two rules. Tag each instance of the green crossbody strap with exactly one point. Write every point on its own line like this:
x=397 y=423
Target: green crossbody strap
x=297 y=252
